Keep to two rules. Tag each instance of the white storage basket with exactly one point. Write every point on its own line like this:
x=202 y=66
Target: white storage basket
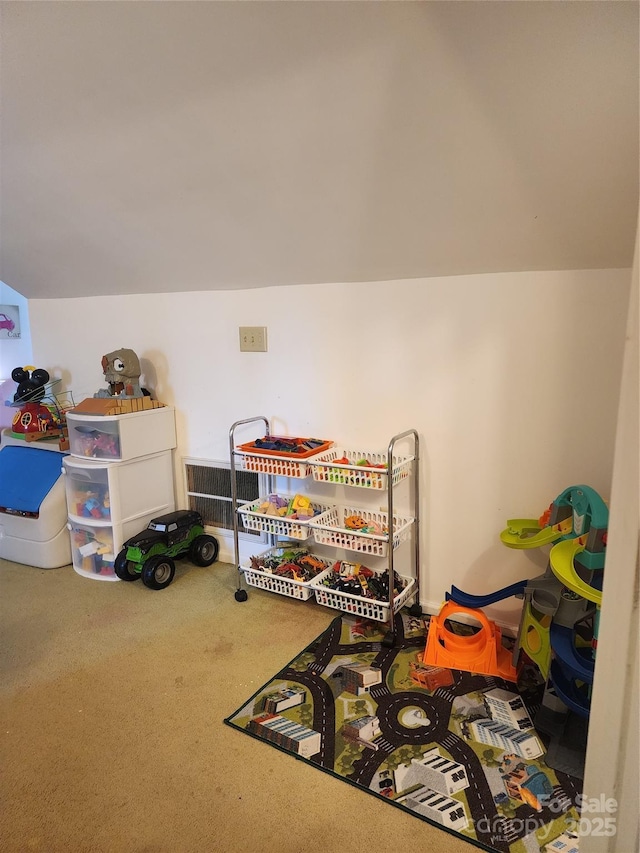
x=276 y=465
x=328 y=529
x=302 y=590
x=280 y=464
x=274 y=524
x=368 y=608
x=325 y=469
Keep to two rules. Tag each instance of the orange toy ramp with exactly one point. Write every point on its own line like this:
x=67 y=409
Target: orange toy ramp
x=481 y=652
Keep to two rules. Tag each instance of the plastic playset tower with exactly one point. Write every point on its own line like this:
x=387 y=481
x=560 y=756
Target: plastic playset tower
x=559 y=623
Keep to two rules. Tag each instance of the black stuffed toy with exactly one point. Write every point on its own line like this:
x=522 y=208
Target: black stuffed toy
x=31 y=386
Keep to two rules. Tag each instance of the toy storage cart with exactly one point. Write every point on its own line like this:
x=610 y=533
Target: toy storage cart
x=357 y=470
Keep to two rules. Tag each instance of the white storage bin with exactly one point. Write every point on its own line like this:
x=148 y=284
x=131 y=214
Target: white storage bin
x=279 y=465
x=275 y=465
x=93 y=550
x=51 y=554
x=43 y=541
x=94 y=546
x=367 y=608
x=122 y=437
x=329 y=529
x=100 y=491
x=375 y=475
x=88 y=491
x=302 y=590
x=277 y=525
x=35 y=535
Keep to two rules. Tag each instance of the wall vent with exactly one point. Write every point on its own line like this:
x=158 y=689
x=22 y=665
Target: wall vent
x=208 y=485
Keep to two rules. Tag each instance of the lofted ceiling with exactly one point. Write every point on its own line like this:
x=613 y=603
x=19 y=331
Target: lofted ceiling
x=181 y=146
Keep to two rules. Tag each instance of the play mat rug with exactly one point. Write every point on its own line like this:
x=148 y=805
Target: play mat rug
x=457 y=752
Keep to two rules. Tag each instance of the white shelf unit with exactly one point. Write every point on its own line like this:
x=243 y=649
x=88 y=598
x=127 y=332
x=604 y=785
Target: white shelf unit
x=339 y=466
x=111 y=499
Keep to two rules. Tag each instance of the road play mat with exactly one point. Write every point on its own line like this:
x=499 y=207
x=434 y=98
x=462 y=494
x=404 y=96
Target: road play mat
x=455 y=749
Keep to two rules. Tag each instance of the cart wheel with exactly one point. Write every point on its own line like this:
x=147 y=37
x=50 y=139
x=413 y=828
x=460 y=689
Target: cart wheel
x=415 y=610
x=241 y=595
x=124 y=568
x=158 y=572
x=204 y=550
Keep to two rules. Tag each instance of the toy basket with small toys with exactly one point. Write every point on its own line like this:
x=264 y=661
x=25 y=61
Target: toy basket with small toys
x=282 y=456
x=281 y=515
x=286 y=570
x=361 y=530
x=356 y=589
x=363 y=469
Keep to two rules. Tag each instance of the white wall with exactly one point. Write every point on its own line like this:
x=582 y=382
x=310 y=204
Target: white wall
x=612 y=768
x=512 y=381
x=14 y=352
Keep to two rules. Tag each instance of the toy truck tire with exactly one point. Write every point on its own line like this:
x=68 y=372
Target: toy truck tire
x=124 y=568
x=204 y=550
x=158 y=572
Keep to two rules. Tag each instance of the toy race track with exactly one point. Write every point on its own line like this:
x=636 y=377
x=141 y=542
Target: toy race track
x=529 y=533
x=563 y=643
x=562 y=558
x=482 y=652
x=575 y=696
x=352 y=707
x=467 y=600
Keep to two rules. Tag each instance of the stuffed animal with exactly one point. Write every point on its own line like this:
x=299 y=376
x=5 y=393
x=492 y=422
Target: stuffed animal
x=31 y=385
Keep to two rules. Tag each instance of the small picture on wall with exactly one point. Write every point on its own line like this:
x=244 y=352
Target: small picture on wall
x=9 y=322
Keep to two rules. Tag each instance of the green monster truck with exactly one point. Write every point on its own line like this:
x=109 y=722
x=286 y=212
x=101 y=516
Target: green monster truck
x=150 y=554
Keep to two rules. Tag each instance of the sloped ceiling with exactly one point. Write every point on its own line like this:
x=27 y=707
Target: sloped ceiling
x=168 y=146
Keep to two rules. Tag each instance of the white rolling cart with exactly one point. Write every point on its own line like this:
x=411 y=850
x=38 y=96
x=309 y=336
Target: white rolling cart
x=358 y=470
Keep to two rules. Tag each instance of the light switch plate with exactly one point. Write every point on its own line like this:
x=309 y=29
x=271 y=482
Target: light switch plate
x=253 y=338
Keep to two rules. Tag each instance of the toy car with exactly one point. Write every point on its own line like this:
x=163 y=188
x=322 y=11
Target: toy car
x=150 y=554
x=6 y=323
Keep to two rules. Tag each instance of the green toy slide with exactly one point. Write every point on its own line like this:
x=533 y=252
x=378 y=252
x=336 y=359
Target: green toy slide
x=527 y=533
x=561 y=558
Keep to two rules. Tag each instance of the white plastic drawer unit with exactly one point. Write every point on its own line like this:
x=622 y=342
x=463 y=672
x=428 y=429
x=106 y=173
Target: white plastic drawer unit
x=122 y=437
x=100 y=492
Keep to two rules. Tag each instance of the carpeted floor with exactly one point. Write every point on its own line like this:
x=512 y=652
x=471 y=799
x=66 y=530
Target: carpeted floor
x=112 y=705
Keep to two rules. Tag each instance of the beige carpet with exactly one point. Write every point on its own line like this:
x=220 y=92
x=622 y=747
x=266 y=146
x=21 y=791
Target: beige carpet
x=113 y=698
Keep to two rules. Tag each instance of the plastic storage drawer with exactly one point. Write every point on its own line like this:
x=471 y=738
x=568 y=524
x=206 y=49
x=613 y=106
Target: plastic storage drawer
x=94 y=547
x=122 y=437
x=100 y=491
